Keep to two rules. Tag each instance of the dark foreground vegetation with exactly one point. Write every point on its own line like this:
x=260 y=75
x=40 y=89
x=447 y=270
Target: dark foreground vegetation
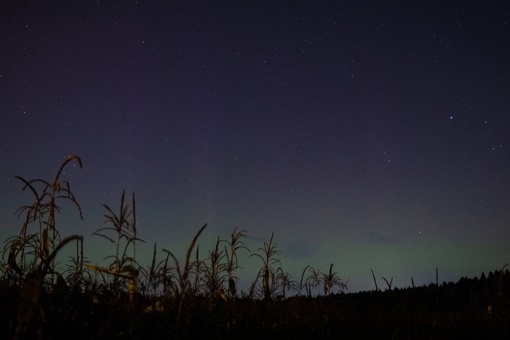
x=199 y=297
x=465 y=310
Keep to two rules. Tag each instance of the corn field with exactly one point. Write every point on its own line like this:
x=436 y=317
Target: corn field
x=200 y=297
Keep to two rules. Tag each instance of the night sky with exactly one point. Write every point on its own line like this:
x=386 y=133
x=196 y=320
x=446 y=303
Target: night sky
x=368 y=134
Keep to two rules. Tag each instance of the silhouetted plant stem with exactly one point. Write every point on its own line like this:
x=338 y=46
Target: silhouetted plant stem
x=375 y=281
x=183 y=274
x=268 y=257
x=43 y=212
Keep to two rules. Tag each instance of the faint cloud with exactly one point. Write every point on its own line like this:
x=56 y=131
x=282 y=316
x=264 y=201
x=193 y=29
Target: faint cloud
x=376 y=238
x=300 y=249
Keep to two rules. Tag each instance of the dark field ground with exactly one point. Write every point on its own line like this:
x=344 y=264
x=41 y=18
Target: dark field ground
x=477 y=308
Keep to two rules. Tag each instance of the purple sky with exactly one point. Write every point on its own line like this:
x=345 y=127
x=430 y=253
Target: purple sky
x=365 y=134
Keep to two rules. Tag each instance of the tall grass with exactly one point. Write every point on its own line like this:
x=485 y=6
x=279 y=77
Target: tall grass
x=268 y=254
x=29 y=308
x=183 y=275
x=123 y=226
x=31 y=248
x=231 y=253
x=215 y=271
